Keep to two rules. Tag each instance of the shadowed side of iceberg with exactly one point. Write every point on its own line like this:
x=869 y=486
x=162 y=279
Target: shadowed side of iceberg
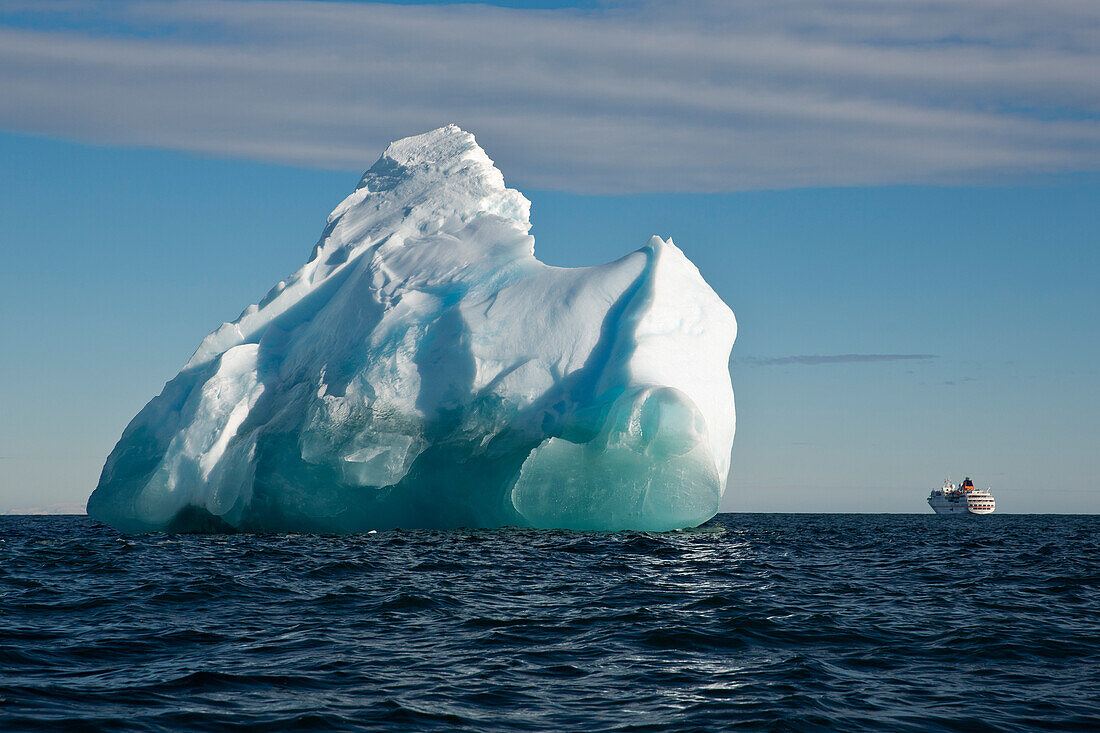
x=648 y=469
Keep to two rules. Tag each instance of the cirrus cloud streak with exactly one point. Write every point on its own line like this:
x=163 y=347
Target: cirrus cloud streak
x=817 y=359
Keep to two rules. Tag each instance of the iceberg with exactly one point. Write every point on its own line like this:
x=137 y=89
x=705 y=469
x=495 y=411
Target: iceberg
x=424 y=370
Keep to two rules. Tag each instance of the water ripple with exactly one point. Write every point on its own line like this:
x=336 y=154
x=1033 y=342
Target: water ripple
x=784 y=622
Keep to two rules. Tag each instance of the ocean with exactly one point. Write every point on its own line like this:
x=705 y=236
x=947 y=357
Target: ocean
x=756 y=621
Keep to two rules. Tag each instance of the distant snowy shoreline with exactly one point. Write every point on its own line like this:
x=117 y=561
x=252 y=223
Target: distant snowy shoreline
x=70 y=507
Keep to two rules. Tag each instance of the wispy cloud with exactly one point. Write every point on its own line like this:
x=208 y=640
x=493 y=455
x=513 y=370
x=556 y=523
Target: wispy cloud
x=816 y=359
x=629 y=96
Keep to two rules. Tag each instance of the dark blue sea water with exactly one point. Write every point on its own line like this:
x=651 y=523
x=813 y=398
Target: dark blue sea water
x=779 y=622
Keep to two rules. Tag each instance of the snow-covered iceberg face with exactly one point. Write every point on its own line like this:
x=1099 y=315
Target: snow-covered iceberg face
x=423 y=369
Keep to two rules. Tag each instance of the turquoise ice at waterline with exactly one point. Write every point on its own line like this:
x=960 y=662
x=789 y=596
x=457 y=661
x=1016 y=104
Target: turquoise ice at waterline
x=424 y=370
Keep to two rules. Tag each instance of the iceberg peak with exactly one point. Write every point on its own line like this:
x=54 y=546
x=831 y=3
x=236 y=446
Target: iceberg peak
x=423 y=186
x=423 y=369
x=445 y=146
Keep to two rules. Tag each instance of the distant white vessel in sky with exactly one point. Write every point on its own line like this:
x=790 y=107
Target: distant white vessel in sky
x=962 y=499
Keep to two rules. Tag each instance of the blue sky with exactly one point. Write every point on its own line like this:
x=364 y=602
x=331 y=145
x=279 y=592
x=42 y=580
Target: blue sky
x=911 y=257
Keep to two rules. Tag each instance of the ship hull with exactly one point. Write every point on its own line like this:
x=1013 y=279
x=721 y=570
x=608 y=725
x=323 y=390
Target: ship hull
x=960 y=511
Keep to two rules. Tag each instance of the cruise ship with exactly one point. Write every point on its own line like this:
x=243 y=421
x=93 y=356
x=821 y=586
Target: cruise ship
x=963 y=499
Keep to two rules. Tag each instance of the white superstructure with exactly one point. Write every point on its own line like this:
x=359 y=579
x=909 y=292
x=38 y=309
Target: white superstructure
x=962 y=499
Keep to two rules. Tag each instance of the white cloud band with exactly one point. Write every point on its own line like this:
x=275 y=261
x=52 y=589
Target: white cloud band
x=689 y=96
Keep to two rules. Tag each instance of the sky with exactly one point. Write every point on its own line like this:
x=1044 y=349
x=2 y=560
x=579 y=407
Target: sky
x=900 y=201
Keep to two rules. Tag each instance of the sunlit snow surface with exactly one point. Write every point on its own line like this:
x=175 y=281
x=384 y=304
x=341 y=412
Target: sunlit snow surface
x=423 y=369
